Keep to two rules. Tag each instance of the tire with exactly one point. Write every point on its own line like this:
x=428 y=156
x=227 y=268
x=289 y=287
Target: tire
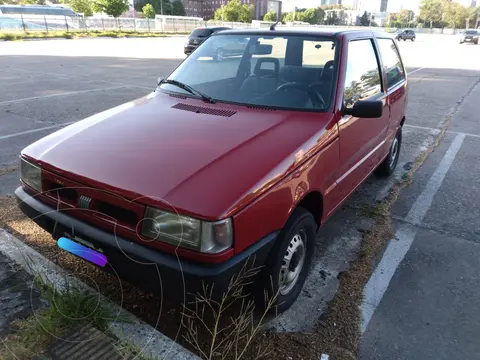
x=404 y=39
x=219 y=54
x=294 y=246
x=399 y=38
x=413 y=39
x=388 y=165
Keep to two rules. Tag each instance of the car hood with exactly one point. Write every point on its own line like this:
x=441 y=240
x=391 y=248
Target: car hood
x=205 y=160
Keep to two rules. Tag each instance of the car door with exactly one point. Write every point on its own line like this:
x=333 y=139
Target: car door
x=396 y=84
x=361 y=139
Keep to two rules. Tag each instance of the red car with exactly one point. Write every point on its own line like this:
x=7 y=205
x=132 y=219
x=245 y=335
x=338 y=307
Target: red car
x=224 y=161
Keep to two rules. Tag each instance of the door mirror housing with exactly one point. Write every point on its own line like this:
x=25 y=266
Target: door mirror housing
x=365 y=109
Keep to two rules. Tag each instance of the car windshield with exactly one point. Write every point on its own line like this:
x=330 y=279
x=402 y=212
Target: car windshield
x=291 y=72
x=471 y=32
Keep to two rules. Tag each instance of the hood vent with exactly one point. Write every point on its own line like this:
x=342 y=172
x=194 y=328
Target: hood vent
x=204 y=110
x=261 y=108
x=178 y=96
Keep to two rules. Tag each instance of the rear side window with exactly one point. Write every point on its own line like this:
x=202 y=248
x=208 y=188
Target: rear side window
x=391 y=62
x=201 y=33
x=363 y=77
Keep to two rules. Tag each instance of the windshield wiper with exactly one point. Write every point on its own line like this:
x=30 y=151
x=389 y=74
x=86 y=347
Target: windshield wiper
x=188 y=88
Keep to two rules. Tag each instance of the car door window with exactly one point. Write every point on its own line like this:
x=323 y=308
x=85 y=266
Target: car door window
x=362 y=78
x=392 y=64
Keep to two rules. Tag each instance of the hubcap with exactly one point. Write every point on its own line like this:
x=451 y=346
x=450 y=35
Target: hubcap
x=394 y=155
x=292 y=263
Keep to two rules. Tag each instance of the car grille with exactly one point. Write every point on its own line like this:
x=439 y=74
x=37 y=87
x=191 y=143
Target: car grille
x=90 y=203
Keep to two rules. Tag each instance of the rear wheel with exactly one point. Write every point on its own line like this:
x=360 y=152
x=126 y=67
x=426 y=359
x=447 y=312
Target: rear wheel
x=413 y=38
x=287 y=265
x=388 y=165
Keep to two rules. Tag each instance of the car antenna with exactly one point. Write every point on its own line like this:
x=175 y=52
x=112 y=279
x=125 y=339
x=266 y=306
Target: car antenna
x=273 y=25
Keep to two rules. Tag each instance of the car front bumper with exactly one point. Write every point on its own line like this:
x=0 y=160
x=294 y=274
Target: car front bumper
x=146 y=268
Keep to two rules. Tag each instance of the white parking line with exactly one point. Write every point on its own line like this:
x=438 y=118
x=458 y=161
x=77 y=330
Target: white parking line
x=35 y=130
x=438 y=130
x=60 y=94
x=414 y=71
x=398 y=247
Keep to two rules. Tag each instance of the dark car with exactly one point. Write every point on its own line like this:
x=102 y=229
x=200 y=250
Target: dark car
x=405 y=35
x=469 y=36
x=198 y=36
x=222 y=49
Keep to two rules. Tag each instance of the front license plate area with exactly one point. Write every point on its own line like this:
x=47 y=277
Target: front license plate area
x=82 y=251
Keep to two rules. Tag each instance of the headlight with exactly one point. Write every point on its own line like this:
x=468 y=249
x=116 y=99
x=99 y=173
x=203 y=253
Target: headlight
x=203 y=236
x=31 y=175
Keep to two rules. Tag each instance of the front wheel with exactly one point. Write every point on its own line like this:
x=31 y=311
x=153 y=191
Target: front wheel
x=388 y=165
x=288 y=263
x=413 y=39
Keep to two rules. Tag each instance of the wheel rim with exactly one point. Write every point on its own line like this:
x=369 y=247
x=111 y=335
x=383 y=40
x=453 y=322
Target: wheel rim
x=394 y=153
x=219 y=54
x=292 y=263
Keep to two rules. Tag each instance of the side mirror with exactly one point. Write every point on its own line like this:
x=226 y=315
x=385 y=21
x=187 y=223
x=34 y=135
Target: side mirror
x=159 y=80
x=365 y=109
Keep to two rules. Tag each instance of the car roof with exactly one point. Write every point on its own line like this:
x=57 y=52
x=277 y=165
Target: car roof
x=211 y=28
x=286 y=31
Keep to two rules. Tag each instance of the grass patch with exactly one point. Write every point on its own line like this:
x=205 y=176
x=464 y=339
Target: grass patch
x=130 y=351
x=12 y=36
x=8 y=169
x=66 y=308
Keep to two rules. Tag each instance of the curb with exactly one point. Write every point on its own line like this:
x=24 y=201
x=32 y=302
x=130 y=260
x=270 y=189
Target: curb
x=147 y=338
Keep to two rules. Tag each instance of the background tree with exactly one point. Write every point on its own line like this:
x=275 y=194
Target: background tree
x=234 y=11
x=332 y=18
x=84 y=7
x=364 y=19
x=114 y=8
x=309 y=15
x=164 y=7
x=431 y=11
x=178 y=9
x=148 y=11
x=456 y=15
x=288 y=17
x=270 y=16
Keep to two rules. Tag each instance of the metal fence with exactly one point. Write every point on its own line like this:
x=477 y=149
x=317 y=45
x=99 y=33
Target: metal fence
x=163 y=25
x=66 y=23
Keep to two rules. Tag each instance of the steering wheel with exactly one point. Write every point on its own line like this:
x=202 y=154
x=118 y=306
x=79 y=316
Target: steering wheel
x=316 y=98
